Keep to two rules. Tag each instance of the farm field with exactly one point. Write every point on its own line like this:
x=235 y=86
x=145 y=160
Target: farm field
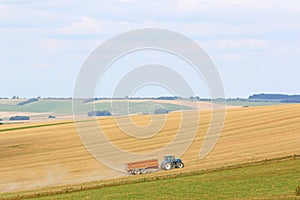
x=264 y=181
x=245 y=102
x=63 y=107
x=50 y=155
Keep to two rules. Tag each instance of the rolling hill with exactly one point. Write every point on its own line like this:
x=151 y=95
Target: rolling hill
x=37 y=155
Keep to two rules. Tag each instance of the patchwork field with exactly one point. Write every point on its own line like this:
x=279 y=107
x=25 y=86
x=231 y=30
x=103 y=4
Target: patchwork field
x=43 y=155
x=62 y=108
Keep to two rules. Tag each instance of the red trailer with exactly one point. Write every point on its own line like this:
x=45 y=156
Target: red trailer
x=142 y=167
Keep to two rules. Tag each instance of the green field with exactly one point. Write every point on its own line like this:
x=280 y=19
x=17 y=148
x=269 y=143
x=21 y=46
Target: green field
x=54 y=106
x=64 y=107
x=263 y=181
x=246 y=102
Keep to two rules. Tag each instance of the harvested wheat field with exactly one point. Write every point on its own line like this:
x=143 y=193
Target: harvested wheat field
x=37 y=155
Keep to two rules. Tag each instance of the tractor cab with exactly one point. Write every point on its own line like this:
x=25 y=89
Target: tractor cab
x=170 y=162
x=169 y=158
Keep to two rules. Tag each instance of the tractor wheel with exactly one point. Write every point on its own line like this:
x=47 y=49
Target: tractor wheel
x=168 y=166
x=136 y=172
x=180 y=165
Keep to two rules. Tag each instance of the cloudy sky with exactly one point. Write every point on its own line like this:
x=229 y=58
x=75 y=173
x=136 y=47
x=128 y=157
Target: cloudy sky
x=255 y=44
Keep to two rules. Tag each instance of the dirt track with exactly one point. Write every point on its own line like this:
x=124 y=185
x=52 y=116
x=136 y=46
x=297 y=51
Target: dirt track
x=46 y=156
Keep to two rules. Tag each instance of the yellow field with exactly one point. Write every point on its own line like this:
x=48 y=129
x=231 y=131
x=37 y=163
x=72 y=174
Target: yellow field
x=45 y=156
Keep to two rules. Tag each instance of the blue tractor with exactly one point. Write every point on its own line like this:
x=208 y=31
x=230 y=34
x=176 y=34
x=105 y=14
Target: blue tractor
x=170 y=162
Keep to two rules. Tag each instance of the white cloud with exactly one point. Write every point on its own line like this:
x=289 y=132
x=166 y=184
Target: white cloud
x=67 y=46
x=244 y=44
x=88 y=26
x=85 y=25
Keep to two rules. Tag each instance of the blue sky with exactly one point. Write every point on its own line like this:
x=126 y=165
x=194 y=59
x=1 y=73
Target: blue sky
x=255 y=45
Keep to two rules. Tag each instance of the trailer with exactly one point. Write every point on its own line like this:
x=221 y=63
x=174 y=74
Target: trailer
x=142 y=167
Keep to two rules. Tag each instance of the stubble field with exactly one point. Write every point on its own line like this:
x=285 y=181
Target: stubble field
x=40 y=155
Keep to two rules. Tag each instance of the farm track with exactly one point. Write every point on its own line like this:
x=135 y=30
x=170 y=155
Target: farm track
x=47 y=155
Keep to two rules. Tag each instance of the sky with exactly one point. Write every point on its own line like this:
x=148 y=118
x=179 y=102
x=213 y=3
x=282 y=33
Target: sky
x=254 y=44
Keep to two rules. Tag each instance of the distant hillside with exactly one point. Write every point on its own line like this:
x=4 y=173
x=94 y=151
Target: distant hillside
x=64 y=106
x=276 y=97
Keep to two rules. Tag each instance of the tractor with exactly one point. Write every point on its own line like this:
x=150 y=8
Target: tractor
x=170 y=162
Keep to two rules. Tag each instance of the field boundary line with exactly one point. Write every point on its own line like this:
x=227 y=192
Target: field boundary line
x=34 y=126
x=41 y=125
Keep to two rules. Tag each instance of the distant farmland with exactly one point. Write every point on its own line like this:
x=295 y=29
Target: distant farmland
x=42 y=108
x=63 y=107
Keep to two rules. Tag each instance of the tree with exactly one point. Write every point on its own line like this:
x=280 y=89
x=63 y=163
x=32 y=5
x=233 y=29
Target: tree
x=19 y=118
x=160 y=111
x=27 y=101
x=99 y=113
x=194 y=98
